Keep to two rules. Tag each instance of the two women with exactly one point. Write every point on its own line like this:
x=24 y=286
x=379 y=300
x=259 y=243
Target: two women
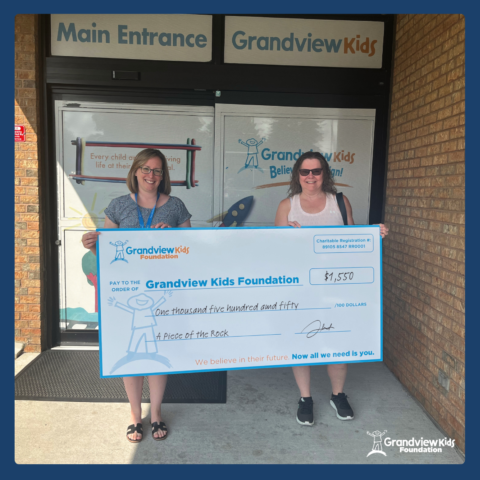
x=148 y=206
x=312 y=202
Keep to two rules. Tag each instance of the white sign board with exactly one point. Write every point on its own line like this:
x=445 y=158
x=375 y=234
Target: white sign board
x=303 y=42
x=192 y=300
x=175 y=38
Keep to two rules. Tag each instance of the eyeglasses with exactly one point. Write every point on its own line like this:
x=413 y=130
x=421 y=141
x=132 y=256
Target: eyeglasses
x=156 y=171
x=315 y=171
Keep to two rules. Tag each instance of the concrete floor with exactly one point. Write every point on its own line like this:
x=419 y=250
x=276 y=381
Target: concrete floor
x=256 y=426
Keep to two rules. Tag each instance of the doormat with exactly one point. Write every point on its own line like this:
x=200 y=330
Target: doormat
x=74 y=376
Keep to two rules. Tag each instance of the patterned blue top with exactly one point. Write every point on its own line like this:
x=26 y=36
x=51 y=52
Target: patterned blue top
x=123 y=212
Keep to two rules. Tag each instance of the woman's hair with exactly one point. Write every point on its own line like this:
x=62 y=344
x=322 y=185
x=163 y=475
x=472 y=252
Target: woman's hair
x=328 y=185
x=140 y=160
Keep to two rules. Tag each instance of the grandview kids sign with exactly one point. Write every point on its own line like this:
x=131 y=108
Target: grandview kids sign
x=184 y=38
x=303 y=42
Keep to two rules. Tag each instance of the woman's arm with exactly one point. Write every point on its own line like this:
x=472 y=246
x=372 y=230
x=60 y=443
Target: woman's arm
x=89 y=239
x=281 y=218
x=185 y=224
x=348 y=207
x=383 y=228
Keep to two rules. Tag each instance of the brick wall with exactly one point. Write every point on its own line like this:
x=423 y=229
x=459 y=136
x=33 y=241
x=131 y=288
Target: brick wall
x=424 y=259
x=27 y=235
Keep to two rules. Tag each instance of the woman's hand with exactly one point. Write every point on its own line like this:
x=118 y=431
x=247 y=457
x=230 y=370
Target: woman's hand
x=89 y=239
x=383 y=230
x=161 y=225
x=294 y=224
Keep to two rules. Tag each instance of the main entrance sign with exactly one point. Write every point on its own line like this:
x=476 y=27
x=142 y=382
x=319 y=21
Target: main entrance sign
x=192 y=300
x=186 y=38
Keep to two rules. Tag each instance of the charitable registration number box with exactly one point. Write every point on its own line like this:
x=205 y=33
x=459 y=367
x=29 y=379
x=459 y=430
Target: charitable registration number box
x=192 y=300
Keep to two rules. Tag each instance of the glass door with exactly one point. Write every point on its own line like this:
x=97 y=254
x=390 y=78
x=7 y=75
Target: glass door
x=258 y=146
x=96 y=144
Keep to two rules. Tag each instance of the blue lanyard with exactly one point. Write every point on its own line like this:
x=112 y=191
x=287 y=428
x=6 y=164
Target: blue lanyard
x=150 y=218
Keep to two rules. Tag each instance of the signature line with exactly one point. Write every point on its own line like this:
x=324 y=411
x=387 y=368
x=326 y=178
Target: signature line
x=338 y=331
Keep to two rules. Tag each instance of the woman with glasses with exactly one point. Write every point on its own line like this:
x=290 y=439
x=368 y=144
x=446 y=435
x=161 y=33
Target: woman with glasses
x=312 y=202
x=148 y=206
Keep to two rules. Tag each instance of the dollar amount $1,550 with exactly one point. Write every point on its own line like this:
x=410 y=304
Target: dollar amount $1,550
x=338 y=276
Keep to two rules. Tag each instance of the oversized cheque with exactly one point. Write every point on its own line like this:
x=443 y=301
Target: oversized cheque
x=191 y=300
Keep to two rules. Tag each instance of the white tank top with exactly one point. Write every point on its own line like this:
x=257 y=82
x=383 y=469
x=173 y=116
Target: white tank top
x=330 y=215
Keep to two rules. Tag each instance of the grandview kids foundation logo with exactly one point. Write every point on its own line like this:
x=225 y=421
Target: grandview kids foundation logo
x=158 y=253
x=411 y=445
x=148 y=253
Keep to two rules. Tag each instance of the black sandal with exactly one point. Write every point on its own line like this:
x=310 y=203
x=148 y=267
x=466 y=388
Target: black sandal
x=132 y=429
x=159 y=426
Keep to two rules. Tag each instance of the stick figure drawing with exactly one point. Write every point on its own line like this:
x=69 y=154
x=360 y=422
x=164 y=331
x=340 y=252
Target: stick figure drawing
x=142 y=345
x=119 y=251
x=377 y=442
x=252 y=153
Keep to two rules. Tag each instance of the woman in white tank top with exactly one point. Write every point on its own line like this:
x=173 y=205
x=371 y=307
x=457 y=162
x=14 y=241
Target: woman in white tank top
x=312 y=202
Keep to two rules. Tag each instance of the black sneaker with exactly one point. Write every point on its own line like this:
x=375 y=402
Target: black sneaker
x=305 y=411
x=342 y=407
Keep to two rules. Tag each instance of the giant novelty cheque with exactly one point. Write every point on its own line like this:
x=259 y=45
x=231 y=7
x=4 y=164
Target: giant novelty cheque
x=192 y=300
